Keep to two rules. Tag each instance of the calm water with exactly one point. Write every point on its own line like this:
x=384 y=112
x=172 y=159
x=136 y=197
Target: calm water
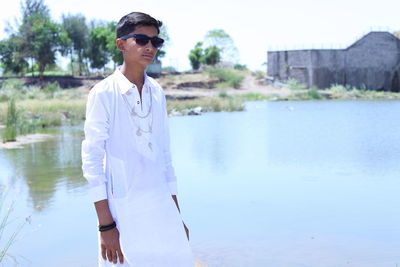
x=281 y=184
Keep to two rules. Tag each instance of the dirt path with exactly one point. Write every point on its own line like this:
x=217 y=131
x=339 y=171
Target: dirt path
x=249 y=85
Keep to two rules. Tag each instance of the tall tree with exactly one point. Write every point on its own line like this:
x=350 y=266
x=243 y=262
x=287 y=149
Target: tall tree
x=40 y=37
x=98 y=52
x=111 y=47
x=222 y=40
x=77 y=30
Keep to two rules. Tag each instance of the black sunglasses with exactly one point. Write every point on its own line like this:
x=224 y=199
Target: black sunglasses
x=142 y=40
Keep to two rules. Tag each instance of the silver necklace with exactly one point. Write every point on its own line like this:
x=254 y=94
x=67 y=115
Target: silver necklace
x=133 y=114
x=132 y=109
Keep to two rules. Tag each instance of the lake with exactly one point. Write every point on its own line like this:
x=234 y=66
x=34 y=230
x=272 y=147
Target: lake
x=281 y=184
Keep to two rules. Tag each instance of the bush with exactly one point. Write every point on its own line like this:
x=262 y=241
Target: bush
x=11 y=88
x=293 y=84
x=229 y=77
x=51 y=88
x=240 y=67
x=314 y=94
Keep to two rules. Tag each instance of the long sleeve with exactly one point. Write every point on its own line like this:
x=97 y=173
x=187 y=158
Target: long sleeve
x=93 y=147
x=169 y=169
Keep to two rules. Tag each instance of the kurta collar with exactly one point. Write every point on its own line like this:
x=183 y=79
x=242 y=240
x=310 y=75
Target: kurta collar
x=125 y=86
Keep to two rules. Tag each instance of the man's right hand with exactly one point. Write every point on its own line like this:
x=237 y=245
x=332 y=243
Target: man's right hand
x=110 y=247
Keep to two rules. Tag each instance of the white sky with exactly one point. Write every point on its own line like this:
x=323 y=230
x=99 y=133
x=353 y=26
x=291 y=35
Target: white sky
x=254 y=25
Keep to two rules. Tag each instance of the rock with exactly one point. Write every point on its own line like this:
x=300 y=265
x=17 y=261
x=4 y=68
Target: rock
x=195 y=111
x=174 y=112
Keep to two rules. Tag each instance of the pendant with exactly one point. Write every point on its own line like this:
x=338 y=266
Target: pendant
x=150 y=146
x=138 y=133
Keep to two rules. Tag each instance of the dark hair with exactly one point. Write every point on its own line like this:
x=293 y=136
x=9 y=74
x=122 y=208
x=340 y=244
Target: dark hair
x=128 y=23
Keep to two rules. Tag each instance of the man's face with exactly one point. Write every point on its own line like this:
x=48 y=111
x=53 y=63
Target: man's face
x=135 y=54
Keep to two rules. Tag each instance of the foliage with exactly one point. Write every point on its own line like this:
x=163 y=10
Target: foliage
x=229 y=77
x=211 y=56
x=314 y=94
x=208 y=104
x=195 y=56
x=111 y=46
x=293 y=84
x=76 y=28
x=51 y=88
x=10 y=132
x=222 y=40
x=164 y=35
x=100 y=46
x=10 y=56
x=40 y=37
x=240 y=67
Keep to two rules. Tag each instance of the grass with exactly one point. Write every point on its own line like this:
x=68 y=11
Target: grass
x=208 y=104
x=10 y=132
x=293 y=84
x=38 y=108
x=5 y=223
x=228 y=77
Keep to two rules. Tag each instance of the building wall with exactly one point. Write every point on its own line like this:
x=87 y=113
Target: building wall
x=328 y=67
x=284 y=65
x=372 y=63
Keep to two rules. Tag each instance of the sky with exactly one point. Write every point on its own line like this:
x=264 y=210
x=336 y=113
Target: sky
x=255 y=26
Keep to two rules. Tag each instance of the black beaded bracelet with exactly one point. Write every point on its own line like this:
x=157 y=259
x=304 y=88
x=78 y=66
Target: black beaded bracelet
x=103 y=228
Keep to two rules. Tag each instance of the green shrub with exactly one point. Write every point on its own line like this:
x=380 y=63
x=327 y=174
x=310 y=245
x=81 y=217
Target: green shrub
x=293 y=84
x=229 y=77
x=51 y=88
x=240 y=67
x=314 y=94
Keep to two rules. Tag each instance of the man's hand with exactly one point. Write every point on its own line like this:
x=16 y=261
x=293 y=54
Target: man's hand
x=110 y=247
x=186 y=230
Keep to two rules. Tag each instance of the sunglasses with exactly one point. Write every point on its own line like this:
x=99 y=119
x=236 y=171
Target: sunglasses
x=142 y=40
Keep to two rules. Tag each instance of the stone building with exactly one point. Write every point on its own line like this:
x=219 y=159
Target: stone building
x=372 y=63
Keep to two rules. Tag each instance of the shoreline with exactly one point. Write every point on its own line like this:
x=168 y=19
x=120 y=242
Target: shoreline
x=23 y=140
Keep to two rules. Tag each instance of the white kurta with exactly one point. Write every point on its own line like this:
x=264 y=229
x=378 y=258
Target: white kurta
x=134 y=171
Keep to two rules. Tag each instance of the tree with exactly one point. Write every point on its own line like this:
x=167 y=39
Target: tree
x=77 y=30
x=195 y=56
x=98 y=52
x=211 y=55
x=115 y=53
x=40 y=37
x=10 y=57
x=222 y=40
x=164 y=35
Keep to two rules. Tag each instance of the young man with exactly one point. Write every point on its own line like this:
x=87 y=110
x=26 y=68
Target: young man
x=126 y=158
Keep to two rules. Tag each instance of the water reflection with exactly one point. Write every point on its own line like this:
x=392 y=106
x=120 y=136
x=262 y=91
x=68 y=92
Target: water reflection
x=44 y=166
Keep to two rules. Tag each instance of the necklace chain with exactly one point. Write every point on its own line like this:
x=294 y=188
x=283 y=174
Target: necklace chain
x=133 y=113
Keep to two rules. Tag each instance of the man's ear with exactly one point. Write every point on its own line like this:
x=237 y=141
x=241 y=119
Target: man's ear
x=120 y=44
